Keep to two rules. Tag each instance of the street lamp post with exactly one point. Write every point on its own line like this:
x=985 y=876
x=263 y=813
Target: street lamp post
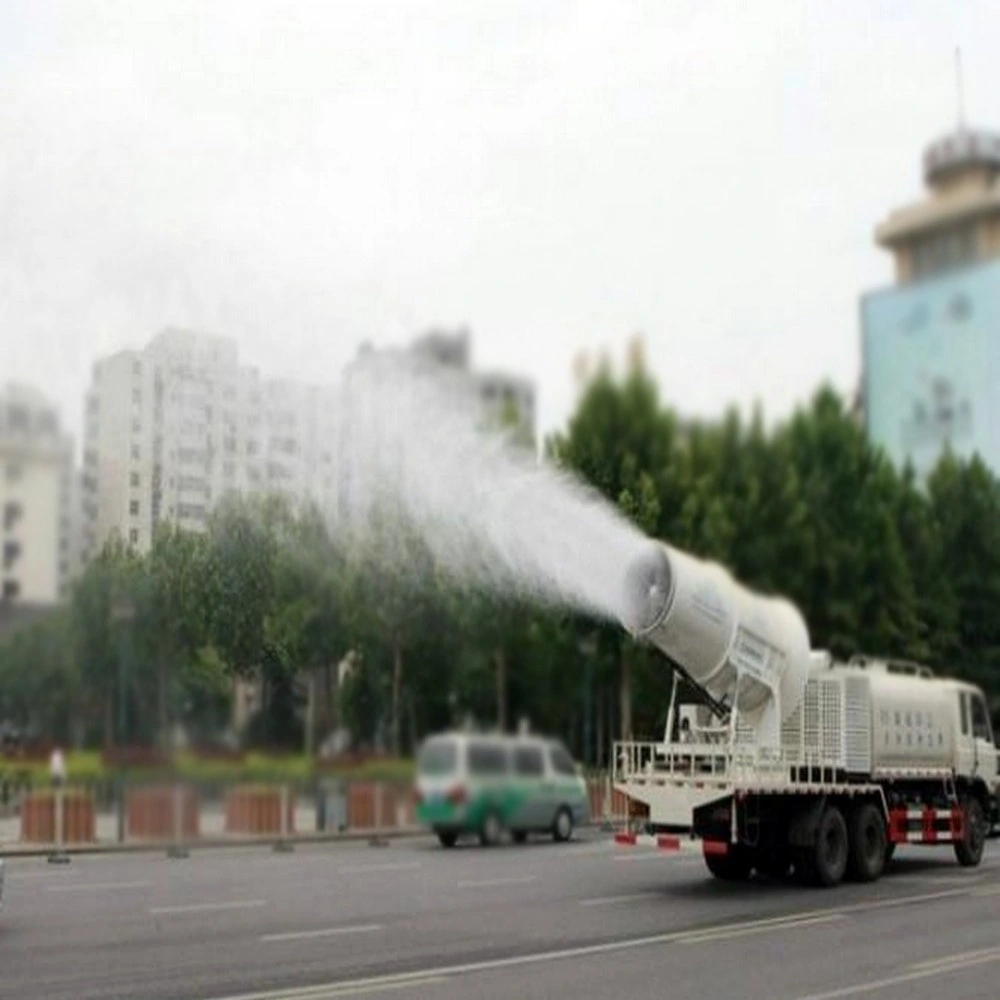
x=123 y=611
x=587 y=646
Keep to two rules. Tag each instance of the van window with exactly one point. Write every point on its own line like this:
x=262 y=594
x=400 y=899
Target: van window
x=528 y=762
x=980 y=719
x=486 y=759
x=964 y=699
x=562 y=762
x=438 y=757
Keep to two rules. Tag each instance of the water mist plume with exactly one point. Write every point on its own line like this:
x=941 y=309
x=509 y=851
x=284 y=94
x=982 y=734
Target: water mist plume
x=412 y=444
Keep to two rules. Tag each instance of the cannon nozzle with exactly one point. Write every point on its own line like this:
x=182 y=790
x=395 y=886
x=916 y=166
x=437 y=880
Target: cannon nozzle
x=649 y=590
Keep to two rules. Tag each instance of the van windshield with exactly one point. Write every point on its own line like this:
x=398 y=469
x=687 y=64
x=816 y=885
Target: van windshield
x=437 y=757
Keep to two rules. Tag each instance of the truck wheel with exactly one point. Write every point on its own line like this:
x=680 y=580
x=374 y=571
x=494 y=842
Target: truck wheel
x=969 y=850
x=829 y=856
x=448 y=838
x=733 y=866
x=867 y=844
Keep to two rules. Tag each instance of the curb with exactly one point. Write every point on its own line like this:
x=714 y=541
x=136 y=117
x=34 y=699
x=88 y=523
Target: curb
x=211 y=843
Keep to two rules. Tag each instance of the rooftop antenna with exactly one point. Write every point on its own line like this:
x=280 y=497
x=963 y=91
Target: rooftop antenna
x=960 y=97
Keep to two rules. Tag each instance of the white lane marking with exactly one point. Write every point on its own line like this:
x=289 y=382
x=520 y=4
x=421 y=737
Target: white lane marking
x=487 y=882
x=352 y=991
x=94 y=886
x=15 y=876
x=236 y=904
x=490 y=965
x=992 y=890
x=390 y=866
x=927 y=972
x=629 y=898
x=953 y=959
x=780 y=925
x=322 y=932
x=583 y=951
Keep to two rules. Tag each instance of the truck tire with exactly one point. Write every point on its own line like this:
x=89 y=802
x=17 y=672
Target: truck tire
x=867 y=843
x=969 y=850
x=733 y=866
x=828 y=860
x=448 y=838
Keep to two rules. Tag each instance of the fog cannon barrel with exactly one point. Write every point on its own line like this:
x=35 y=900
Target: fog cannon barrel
x=699 y=616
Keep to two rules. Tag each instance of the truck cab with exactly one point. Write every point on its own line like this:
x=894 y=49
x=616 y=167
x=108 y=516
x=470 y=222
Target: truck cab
x=976 y=751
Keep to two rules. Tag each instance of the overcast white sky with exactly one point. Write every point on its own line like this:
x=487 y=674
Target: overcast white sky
x=556 y=175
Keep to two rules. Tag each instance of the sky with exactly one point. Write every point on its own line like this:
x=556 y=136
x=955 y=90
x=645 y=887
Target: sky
x=556 y=176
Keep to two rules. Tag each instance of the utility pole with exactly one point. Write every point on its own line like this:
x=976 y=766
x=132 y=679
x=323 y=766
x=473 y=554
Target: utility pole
x=123 y=611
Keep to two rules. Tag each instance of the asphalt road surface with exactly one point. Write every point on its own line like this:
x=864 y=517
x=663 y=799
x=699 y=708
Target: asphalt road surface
x=581 y=920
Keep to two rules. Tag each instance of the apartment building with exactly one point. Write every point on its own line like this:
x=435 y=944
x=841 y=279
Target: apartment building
x=172 y=428
x=37 y=493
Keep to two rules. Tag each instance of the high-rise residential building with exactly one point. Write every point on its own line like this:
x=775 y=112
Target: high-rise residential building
x=37 y=495
x=503 y=396
x=172 y=428
x=931 y=342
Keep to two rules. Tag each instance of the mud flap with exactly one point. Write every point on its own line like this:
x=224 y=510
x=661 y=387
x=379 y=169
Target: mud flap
x=802 y=829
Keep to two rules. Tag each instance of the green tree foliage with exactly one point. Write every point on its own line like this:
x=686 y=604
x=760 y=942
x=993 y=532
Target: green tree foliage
x=808 y=509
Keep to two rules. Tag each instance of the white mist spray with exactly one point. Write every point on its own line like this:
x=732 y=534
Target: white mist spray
x=411 y=440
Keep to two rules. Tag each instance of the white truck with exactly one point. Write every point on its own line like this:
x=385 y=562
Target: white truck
x=790 y=760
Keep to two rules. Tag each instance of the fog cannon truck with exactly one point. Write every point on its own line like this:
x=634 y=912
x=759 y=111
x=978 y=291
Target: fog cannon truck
x=788 y=760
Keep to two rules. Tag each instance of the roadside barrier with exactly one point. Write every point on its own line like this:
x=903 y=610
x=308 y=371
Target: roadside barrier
x=177 y=815
x=162 y=812
x=259 y=810
x=59 y=816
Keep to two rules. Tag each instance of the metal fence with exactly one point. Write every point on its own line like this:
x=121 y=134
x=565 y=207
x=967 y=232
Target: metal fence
x=182 y=814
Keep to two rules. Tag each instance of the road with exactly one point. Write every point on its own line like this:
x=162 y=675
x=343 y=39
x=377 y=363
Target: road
x=582 y=920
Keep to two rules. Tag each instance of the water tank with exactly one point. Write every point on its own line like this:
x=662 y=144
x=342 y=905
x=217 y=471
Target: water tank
x=699 y=616
x=913 y=721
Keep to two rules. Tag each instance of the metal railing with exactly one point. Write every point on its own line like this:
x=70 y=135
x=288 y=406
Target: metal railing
x=640 y=763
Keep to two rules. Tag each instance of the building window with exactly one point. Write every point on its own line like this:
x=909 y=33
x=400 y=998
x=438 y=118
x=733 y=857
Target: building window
x=135 y=452
x=11 y=590
x=134 y=479
x=12 y=513
x=137 y=426
x=133 y=508
x=133 y=536
x=11 y=554
x=137 y=396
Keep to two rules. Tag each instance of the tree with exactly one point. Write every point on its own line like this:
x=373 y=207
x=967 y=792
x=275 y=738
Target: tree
x=623 y=443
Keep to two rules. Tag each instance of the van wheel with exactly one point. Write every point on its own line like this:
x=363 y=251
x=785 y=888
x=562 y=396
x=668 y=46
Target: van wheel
x=448 y=838
x=562 y=828
x=969 y=850
x=489 y=832
x=829 y=855
x=866 y=844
